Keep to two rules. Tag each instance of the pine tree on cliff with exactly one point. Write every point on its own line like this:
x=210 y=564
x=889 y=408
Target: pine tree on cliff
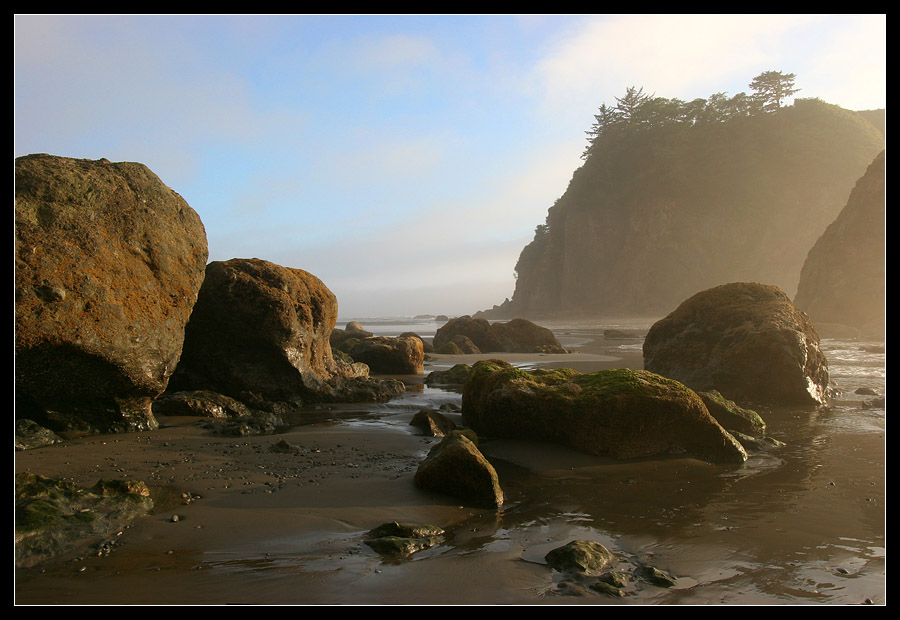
x=771 y=88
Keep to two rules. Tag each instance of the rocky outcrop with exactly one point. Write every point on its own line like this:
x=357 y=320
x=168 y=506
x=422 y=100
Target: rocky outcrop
x=260 y=331
x=404 y=355
x=516 y=336
x=457 y=375
x=843 y=278
x=663 y=213
x=456 y=467
x=108 y=264
x=619 y=413
x=745 y=340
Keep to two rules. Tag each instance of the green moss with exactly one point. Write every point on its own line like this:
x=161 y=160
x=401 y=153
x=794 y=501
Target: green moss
x=37 y=514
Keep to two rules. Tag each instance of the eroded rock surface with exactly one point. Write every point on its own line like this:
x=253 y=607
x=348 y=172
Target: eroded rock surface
x=108 y=264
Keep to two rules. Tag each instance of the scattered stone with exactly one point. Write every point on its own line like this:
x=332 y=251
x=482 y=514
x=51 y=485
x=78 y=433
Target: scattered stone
x=456 y=467
x=30 y=435
x=606 y=588
x=581 y=557
x=432 y=423
x=403 y=539
x=284 y=447
x=654 y=576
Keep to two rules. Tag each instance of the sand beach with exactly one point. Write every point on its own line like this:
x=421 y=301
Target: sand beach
x=237 y=523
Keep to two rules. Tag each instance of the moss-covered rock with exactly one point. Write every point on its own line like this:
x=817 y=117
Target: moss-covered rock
x=621 y=413
x=581 y=557
x=457 y=375
x=432 y=423
x=731 y=416
x=56 y=516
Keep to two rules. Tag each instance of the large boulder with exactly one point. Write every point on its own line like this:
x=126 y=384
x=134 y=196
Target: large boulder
x=843 y=278
x=261 y=331
x=619 y=413
x=108 y=264
x=515 y=336
x=404 y=355
x=745 y=340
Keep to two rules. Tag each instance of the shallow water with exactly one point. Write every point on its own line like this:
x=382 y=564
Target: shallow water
x=799 y=524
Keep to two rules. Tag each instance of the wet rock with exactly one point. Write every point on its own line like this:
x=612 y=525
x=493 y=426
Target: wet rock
x=285 y=447
x=204 y=403
x=731 y=416
x=756 y=444
x=619 y=413
x=254 y=423
x=405 y=529
x=108 y=264
x=403 y=539
x=581 y=557
x=456 y=467
x=516 y=336
x=615 y=578
x=262 y=328
x=601 y=587
x=403 y=355
x=30 y=434
x=654 y=576
x=745 y=340
x=457 y=375
x=54 y=517
x=432 y=423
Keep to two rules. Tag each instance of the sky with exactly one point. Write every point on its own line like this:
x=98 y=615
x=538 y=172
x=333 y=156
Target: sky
x=405 y=160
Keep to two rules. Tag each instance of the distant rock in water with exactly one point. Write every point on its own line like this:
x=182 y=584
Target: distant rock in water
x=404 y=355
x=843 y=278
x=745 y=340
x=109 y=262
x=619 y=413
x=516 y=336
x=657 y=213
x=261 y=330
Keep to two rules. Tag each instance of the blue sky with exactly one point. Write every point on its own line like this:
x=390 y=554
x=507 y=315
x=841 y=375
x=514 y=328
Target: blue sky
x=405 y=160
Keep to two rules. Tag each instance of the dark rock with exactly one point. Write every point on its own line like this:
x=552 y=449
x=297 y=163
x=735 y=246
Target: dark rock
x=383 y=355
x=615 y=578
x=30 y=434
x=54 y=517
x=756 y=444
x=458 y=345
x=582 y=557
x=254 y=423
x=457 y=375
x=203 y=403
x=621 y=334
x=262 y=328
x=441 y=318
x=405 y=530
x=426 y=346
x=285 y=447
x=864 y=391
x=843 y=278
x=654 y=576
x=432 y=423
x=731 y=416
x=108 y=265
x=456 y=467
x=516 y=336
x=619 y=413
x=608 y=589
x=745 y=340
x=400 y=546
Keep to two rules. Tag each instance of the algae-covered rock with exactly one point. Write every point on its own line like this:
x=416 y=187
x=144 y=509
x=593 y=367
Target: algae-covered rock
x=403 y=539
x=30 y=434
x=732 y=416
x=619 y=413
x=53 y=517
x=457 y=375
x=456 y=467
x=582 y=557
x=654 y=576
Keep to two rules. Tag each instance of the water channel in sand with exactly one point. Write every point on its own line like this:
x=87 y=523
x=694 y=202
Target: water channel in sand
x=800 y=524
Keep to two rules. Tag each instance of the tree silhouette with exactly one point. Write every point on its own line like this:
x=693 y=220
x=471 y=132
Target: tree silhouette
x=770 y=88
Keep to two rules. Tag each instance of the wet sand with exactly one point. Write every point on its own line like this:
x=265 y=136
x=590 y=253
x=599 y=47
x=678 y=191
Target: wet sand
x=801 y=525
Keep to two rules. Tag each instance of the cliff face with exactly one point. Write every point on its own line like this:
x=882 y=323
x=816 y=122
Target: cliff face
x=658 y=214
x=843 y=278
